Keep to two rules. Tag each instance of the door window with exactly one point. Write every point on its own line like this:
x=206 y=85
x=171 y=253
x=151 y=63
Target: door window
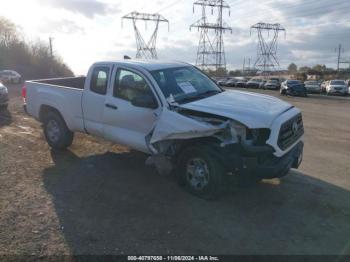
x=129 y=85
x=99 y=80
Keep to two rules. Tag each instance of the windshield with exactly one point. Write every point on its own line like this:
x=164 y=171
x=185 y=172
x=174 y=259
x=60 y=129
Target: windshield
x=311 y=83
x=294 y=82
x=338 y=82
x=184 y=83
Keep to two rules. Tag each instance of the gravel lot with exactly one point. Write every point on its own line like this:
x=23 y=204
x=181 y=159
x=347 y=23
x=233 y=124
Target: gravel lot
x=100 y=198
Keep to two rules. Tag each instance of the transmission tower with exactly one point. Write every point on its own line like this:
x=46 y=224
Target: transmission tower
x=146 y=50
x=211 y=53
x=267 y=60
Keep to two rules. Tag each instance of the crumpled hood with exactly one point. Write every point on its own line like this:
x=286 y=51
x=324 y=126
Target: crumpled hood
x=251 y=109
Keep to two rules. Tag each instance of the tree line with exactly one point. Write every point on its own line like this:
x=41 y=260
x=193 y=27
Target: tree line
x=319 y=71
x=31 y=60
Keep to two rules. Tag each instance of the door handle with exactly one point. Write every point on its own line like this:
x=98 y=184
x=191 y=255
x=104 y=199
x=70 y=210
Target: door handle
x=111 y=106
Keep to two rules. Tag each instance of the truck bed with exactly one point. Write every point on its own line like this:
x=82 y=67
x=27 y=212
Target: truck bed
x=63 y=94
x=71 y=82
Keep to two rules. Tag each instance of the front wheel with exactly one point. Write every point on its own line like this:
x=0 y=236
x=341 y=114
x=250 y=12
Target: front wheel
x=57 y=134
x=3 y=107
x=200 y=172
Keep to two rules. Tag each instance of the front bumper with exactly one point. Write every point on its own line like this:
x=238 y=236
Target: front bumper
x=338 y=92
x=296 y=92
x=271 y=87
x=265 y=164
x=251 y=85
x=313 y=90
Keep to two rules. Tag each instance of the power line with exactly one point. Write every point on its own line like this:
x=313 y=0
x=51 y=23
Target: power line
x=170 y=5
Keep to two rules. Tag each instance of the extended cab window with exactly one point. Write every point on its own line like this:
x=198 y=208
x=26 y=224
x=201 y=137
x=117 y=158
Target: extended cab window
x=129 y=85
x=99 y=80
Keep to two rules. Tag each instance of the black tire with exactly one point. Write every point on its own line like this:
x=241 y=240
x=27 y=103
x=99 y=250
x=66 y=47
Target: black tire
x=283 y=92
x=62 y=137
x=212 y=188
x=4 y=107
x=248 y=180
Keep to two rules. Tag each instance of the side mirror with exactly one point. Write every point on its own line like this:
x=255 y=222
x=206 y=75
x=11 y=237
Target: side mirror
x=146 y=101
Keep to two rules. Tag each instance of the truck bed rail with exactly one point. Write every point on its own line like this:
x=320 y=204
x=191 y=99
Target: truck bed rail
x=72 y=82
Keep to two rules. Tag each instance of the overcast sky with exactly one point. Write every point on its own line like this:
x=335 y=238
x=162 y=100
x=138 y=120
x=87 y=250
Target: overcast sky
x=86 y=31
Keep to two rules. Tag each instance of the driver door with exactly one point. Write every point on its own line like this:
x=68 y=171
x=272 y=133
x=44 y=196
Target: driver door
x=125 y=123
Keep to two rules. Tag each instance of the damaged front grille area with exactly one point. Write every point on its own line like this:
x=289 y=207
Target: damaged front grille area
x=290 y=132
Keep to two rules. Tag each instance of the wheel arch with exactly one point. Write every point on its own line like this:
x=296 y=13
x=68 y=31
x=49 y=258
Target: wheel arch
x=45 y=109
x=210 y=142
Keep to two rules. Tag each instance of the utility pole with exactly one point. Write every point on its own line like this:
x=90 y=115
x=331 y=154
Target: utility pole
x=340 y=61
x=51 y=48
x=267 y=60
x=339 y=50
x=249 y=66
x=211 y=53
x=243 y=70
x=146 y=50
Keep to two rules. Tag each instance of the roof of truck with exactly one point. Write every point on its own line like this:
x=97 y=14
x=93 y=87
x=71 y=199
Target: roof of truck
x=149 y=65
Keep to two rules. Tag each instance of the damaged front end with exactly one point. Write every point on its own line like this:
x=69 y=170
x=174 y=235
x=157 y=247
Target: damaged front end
x=178 y=128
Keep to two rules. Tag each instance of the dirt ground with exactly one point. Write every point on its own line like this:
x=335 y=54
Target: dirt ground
x=100 y=198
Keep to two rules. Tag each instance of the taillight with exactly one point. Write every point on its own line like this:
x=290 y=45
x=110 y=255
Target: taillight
x=24 y=93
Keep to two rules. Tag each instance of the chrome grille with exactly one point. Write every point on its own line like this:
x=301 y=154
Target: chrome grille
x=290 y=132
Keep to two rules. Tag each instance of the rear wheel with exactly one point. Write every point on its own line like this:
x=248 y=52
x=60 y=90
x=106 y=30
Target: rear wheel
x=200 y=172
x=57 y=134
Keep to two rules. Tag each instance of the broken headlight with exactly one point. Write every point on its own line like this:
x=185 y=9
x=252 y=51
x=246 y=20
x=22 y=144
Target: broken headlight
x=258 y=136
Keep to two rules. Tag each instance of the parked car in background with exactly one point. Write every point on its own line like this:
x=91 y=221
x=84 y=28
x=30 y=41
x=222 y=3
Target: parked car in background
x=231 y=82
x=313 y=87
x=241 y=83
x=272 y=84
x=293 y=87
x=10 y=76
x=222 y=82
x=278 y=80
x=337 y=87
x=4 y=98
x=255 y=83
x=323 y=86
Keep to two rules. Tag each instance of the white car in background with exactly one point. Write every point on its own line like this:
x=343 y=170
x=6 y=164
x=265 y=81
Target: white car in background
x=337 y=87
x=313 y=87
x=10 y=76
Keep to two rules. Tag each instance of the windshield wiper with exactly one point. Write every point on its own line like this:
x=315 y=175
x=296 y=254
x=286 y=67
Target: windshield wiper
x=198 y=96
x=209 y=92
x=188 y=99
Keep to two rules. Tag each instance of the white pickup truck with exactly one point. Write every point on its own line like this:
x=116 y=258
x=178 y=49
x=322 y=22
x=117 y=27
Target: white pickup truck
x=176 y=114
